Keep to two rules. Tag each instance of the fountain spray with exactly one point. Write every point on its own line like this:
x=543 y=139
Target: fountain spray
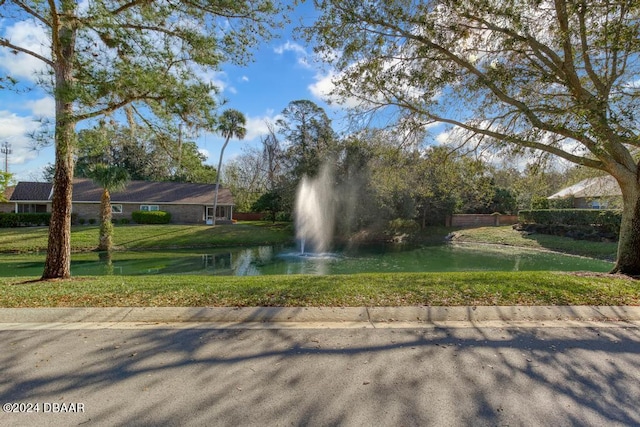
x=315 y=212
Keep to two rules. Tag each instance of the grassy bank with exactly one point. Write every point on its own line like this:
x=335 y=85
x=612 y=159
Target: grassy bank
x=508 y=236
x=399 y=289
x=152 y=237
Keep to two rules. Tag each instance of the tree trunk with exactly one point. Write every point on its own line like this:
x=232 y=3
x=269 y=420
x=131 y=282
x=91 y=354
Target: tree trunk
x=58 y=261
x=628 y=261
x=215 y=199
x=106 y=227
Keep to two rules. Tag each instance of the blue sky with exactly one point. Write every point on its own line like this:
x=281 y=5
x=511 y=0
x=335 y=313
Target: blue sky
x=283 y=70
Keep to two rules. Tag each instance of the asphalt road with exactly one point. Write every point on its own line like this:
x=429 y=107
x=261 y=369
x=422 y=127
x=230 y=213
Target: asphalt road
x=586 y=375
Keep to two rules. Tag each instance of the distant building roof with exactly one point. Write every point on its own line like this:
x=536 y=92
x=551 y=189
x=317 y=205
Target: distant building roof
x=602 y=186
x=84 y=190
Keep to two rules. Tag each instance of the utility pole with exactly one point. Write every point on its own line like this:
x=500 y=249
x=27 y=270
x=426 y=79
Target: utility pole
x=6 y=150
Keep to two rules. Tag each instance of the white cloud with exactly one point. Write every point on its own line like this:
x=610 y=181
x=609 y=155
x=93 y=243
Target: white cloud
x=43 y=107
x=299 y=51
x=15 y=129
x=257 y=126
x=323 y=86
x=244 y=79
x=217 y=78
x=323 y=89
x=204 y=152
x=31 y=36
x=290 y=47
x=443 y=137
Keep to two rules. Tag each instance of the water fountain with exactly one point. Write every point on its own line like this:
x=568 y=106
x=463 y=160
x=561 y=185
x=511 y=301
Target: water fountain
x=314 y=213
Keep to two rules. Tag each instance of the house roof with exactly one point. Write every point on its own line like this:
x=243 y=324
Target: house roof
x=602 y=186
x=32 y=191
x=84 y=190
x=8 y=191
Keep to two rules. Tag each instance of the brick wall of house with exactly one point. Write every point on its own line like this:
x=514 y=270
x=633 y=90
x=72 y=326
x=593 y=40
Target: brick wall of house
x=87 y=211
x=188 y=214
x=7 y=207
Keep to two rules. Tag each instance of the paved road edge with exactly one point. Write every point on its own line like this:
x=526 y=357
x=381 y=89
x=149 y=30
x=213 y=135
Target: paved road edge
x=320 y=314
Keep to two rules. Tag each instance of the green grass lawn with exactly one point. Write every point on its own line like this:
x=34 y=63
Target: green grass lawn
x=398 y=289
x=506 y=235
x=152 y=237
x=384 y=289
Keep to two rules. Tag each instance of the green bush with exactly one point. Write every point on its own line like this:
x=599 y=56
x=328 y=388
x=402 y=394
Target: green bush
x=606 y=220
x=24 y=219
x=400 y=225
x=153 y=217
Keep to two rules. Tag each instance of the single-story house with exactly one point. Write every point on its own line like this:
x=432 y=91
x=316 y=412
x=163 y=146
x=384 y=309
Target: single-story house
x=187 y=203
x=602 y=192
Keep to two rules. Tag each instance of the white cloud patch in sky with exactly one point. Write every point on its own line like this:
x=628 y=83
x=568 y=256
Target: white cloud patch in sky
x=43 y=107
x=31 y=36
x=290 y=46
x=298 y=50
x=204 y=152
x=217 y=78
x=15 y=130
x=257 y=126
x=443 y=137
x=323 y=88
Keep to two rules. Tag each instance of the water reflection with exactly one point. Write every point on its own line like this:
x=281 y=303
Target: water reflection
x=266 y=260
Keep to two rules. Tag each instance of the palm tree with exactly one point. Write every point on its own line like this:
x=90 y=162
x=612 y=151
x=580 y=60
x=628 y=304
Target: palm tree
x=231 y=124
x=110 y=178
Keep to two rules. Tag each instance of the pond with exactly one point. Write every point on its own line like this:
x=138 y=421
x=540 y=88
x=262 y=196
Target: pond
x=264 y=260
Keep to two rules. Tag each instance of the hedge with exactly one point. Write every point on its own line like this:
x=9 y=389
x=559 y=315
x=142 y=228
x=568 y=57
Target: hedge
x=607 y=220
x=24 y=219
x=151 y=217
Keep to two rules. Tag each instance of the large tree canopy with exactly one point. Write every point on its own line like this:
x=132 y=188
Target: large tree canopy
x=558 y=76
x=307 y=131
x=103 y=55
x=145 y=155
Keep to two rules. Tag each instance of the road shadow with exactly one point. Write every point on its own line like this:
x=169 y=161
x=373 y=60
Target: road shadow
x=430 y=376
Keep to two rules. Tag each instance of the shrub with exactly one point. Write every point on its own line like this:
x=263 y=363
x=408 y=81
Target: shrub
x=125 y=221
x=282 y=216
x=539 y=203
x=81 y=221
x=400 y=225
x=24 y=219
x=153 y=217
x=92 y=221
x=605 y=220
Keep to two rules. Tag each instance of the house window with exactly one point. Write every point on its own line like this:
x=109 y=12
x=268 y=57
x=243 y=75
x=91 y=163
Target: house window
x=31 y=208
x=149 y=208
x=599 y=204
x=116 y=209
